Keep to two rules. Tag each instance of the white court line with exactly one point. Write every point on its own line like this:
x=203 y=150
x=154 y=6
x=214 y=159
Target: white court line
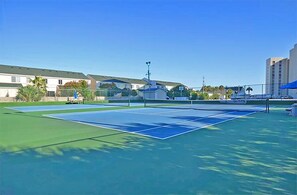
x=138 y=109
x=138 y=132
x=58 y=107
x=115 y=129
x=157 y=113
x=92 y=112
x=178 y=123
x=193 y=108
x=11 y=108
x=121 y=111
x=208 y=125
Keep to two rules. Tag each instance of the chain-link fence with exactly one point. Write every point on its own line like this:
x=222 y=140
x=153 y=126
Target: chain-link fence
x=96 y=95
x=253 y=91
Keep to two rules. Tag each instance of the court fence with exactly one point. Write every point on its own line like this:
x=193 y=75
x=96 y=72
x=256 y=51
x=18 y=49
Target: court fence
x=240 y=92
x=253 y=91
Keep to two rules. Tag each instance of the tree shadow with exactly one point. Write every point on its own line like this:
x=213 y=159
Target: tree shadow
x=253 y=155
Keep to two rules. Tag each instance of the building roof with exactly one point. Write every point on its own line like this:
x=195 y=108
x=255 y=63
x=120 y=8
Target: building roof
x=151 y=89
x=130 y=80
x=10 y=85
x=113 y=81
x=127 y=80
x=20 y=70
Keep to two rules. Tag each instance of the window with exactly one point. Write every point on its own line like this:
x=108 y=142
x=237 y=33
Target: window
x=28 y=80
x=50 y=93
x=15 y=79
x=60 y=82
x=45 y=81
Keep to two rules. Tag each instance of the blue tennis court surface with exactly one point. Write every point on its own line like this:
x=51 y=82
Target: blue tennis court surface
x=157 y=123
x=67 y=107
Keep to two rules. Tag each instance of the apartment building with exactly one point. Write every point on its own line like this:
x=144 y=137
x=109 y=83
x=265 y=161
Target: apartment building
x=293 y=70
x=277 y=74
x=130 y=83
x=12 y=77
x=280 y=71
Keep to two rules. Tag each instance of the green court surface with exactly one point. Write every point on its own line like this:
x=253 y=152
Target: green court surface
x=255 y=154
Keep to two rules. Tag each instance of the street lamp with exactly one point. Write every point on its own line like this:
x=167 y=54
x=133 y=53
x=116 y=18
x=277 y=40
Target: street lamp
x=148 y=70
x=149 y=81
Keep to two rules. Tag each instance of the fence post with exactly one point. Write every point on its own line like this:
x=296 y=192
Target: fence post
x=267 y=105
x=129 y=98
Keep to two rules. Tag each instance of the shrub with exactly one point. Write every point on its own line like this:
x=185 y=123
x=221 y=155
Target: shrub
x=86 y=93
x=215 y=96
x=126 y=92
x=134 y=92
x=194 y=95
x=30 y=94
x=203 y=96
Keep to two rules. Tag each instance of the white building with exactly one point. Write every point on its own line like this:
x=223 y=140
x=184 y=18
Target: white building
x=277 y=74
x=9 y=89
x=153 y=94
x=121 y=82
x=12 y=77
x=280 y=71
x=293 y=70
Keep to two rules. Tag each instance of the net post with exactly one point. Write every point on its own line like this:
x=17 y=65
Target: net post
x=144 y=100
x=267 y=105
x=129 y=102
x=129 y=98
x=244 y=93
x=262 y=91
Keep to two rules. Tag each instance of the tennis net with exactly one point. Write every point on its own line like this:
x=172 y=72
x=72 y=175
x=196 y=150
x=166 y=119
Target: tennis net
x=119 y=103
x=208 y=105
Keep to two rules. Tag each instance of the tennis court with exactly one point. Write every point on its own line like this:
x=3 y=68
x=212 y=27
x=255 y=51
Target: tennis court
x=161 y=122
x=241 y=150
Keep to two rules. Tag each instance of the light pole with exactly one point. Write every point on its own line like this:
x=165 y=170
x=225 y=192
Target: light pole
x=148 y=71
x=149 y=81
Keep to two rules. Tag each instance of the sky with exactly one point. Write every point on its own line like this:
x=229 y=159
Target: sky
x=225 y=41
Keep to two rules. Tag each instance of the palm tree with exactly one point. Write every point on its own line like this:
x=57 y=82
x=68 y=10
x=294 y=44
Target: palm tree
x=39 y=83
x=249 y=89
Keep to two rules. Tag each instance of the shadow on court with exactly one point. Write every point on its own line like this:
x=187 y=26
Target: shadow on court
x=250 y=155
x=152 y=123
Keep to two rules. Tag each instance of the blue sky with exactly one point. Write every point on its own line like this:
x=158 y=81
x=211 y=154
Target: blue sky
x=226 y=41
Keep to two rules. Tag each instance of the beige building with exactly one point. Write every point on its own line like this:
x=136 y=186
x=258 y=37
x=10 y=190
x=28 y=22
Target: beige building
x=277 y=74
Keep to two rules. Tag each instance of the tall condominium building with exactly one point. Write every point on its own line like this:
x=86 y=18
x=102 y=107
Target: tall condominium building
x=277 y=74
x=280 y=71
x=293 y=70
